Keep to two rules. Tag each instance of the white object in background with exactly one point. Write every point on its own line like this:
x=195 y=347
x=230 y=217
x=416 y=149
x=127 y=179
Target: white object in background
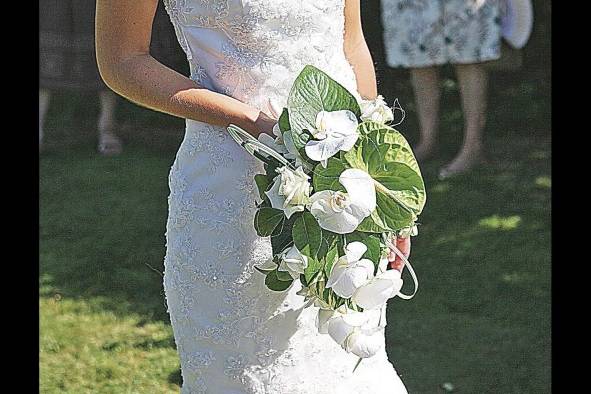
x=517 y=22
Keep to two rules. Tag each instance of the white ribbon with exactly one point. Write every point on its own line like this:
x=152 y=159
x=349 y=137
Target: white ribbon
x=390 y=245
x=251 y=144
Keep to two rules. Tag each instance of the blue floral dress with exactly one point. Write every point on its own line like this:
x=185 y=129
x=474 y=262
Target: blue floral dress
x=421 y=33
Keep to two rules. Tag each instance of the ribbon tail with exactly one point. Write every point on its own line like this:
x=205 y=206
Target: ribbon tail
x=410 y=270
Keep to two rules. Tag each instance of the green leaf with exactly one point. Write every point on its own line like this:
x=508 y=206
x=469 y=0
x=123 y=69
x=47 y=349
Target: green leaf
x=266 y=220
x=281 y=238
x=328 y=178
x=307 y=235
x=273 y=282
x=263 y=184
x=284 y=276
x=400 y=192
x=331 y=257
x=312 y=270
x=284 y=121
x=314 y=91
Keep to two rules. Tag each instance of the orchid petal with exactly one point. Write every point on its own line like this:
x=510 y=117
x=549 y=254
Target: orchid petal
x=355 y=250
x=335 y=131
x=354 y=276
x=363 y=345
x=276 y=200
x=335 y=273
x=339 y=330
x=342 y=222
x=360 y=188
x=356 y=319
x=376 y=292
x=343 y=121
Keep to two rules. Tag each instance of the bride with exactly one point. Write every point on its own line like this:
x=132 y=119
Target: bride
x=233 y=335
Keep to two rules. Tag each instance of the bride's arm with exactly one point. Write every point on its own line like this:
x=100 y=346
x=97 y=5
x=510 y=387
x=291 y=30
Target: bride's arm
x=357 y=51
x=123 y=33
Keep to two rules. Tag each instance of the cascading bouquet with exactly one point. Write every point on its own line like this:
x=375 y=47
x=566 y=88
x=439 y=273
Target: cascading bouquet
x=340 y=187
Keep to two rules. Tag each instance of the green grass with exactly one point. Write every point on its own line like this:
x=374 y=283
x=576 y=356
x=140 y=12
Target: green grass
x=479 y=324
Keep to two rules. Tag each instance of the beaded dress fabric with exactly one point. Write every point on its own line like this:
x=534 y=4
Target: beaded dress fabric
x=233 y=335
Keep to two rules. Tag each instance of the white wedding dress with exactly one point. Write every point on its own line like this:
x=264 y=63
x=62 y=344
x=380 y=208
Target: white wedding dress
x=233 y=335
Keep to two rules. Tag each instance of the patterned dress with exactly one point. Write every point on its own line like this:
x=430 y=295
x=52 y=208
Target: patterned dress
x=421 y=33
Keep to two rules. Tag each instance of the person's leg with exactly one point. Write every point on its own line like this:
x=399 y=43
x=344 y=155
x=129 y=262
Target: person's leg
x=425 y=82
x=109 y=143
x=44 y=99
x=473 y=80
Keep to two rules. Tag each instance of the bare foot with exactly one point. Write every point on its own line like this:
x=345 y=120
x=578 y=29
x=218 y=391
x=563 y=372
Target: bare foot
x=109 y=144
x=466 y=160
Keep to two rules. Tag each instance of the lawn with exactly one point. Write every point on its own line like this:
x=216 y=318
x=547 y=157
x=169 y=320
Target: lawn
x=479 y=324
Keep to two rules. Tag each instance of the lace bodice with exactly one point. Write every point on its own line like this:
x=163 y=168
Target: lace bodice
x=253 y=49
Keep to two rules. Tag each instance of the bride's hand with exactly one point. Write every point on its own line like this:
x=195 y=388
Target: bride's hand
x=264 y=124
x=403 y=244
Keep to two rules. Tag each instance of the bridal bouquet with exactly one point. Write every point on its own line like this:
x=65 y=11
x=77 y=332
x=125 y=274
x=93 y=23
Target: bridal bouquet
x=340 y=187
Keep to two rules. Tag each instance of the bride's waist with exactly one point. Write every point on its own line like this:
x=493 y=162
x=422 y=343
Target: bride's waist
x=257 y=82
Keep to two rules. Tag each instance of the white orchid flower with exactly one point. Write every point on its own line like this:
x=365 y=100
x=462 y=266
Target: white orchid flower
x=335 y=131
x=290 y=191
x=356 y=332
x=293 y=262
x=376 y=110
x=341 y=212
x=350 y=272
x=378 y=290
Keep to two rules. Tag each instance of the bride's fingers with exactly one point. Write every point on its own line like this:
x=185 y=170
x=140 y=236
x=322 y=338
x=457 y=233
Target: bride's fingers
x=403 y=244
x=265 y=124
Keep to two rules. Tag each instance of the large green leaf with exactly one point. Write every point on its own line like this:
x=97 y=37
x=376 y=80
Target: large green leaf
x=307 y=235
x=266 y=220
x=400 y=192
x=314 y=91
x=281 y=238
x=328 y=178
x=263 y=184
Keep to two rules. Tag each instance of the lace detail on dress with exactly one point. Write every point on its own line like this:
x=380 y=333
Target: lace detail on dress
x=262 y=43
x=232 y=333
